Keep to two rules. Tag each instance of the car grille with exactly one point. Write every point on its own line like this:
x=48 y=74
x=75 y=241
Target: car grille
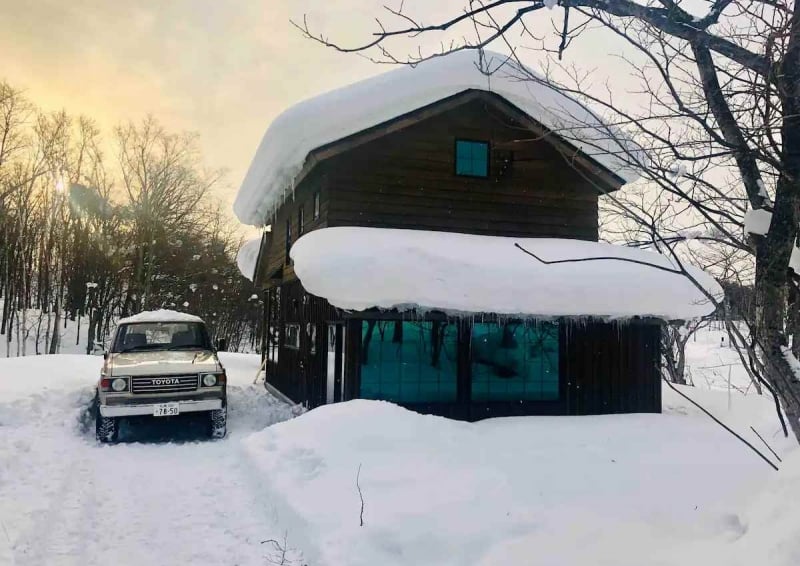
x=166 y=384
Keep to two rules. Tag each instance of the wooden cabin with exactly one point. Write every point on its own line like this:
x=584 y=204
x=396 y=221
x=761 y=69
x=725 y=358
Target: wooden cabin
x=473 y=162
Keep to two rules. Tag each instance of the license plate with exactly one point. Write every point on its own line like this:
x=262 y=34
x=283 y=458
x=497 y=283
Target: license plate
x=166 y=410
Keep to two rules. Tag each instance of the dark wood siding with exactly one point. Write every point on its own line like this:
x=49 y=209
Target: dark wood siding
x=273 y=255
x=300 y=373
x=612 y=367
x=407 y=179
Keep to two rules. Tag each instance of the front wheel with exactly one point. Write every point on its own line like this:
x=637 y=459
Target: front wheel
x=218 y=423
x=106 y=428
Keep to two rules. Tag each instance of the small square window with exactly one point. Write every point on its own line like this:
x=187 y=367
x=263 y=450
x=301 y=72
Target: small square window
x=472 y=158
x=316 y=206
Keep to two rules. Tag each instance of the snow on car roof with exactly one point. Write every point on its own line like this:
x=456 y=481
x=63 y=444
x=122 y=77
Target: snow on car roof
x=359 y=268
x=345 y=111
x=161 y=315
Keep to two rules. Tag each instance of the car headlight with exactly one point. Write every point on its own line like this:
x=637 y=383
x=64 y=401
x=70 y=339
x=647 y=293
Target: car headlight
x=209 y=380
x=119 y=384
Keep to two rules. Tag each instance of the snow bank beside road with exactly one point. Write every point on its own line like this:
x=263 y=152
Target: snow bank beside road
x=621 y=490
x=33 y=375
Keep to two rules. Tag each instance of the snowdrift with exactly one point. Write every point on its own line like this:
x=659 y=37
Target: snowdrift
x=615 y=490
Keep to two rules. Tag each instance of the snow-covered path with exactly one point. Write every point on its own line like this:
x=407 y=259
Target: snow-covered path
x=65 y=500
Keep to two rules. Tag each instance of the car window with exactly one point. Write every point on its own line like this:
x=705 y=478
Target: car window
x=161 y=336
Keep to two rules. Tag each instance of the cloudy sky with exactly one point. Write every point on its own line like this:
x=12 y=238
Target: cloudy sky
x=224 y=69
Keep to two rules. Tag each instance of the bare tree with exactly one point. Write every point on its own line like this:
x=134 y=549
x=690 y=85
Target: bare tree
x=81 y=235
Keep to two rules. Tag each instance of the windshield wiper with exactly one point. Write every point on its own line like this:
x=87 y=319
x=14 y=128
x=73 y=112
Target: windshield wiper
x=186 y=347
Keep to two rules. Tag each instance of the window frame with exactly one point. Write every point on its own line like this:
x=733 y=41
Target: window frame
x=288 y=245
x=300 y=220
x=488 y=145
x=315 y=205
x=287 y=334
x=532 y=388
x=415 y=332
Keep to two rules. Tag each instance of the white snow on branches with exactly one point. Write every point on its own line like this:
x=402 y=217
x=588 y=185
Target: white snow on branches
x=757 y=221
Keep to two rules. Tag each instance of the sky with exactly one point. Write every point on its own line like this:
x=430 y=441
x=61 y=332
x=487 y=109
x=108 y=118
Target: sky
x=223 y=69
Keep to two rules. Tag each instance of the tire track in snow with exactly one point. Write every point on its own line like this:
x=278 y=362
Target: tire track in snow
x=169 y=503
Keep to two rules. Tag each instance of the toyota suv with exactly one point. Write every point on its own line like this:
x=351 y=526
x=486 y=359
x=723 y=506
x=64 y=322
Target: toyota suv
x=160 y=364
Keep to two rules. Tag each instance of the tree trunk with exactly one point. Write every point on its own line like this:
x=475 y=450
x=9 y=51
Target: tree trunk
x=56 y=334
x=774 y=250
x=772 y=261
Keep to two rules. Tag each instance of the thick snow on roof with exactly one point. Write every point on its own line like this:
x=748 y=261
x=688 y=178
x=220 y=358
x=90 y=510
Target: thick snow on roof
x=349 y=110
x=359 y=268
x=161 y=315
x=248 y=256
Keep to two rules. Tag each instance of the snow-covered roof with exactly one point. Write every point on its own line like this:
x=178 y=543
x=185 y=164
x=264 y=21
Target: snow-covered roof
x=247 y=257
x=337 y=114
x=161 y=315
x=359 y=268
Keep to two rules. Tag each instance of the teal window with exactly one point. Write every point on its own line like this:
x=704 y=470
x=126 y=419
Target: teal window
x=515 y=361
x=409 y=362
x=472 y=158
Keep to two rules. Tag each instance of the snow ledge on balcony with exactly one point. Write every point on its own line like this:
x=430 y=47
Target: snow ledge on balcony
x=358 y=268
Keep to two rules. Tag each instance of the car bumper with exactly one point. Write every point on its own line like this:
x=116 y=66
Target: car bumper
x=148 y=408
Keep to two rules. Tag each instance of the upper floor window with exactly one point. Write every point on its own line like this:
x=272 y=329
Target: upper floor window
x=287 y=259
x=316 y=205
x=472 y=158
x=301 y=217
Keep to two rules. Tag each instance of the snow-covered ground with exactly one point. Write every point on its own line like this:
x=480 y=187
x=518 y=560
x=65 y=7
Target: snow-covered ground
x=65 y=500
x=670 y=489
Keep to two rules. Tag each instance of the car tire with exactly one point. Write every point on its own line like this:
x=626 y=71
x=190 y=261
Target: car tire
x=218 y=425
x=106 y=429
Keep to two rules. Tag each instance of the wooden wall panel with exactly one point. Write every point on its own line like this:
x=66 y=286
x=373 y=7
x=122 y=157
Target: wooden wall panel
x=407 y=180
x=299 y=373
x=612 y=367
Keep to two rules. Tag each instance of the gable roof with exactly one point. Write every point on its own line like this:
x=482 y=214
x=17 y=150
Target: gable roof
x=285 y=148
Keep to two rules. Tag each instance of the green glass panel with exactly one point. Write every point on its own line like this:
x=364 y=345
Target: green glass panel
x=514 y=361
x=408 y=362
x=472 y=158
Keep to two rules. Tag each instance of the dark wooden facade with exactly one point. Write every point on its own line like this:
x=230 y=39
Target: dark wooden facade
x=401 y=175
x=604 y=367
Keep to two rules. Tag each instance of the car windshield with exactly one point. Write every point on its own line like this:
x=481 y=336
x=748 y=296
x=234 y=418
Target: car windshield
x=161 y=336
